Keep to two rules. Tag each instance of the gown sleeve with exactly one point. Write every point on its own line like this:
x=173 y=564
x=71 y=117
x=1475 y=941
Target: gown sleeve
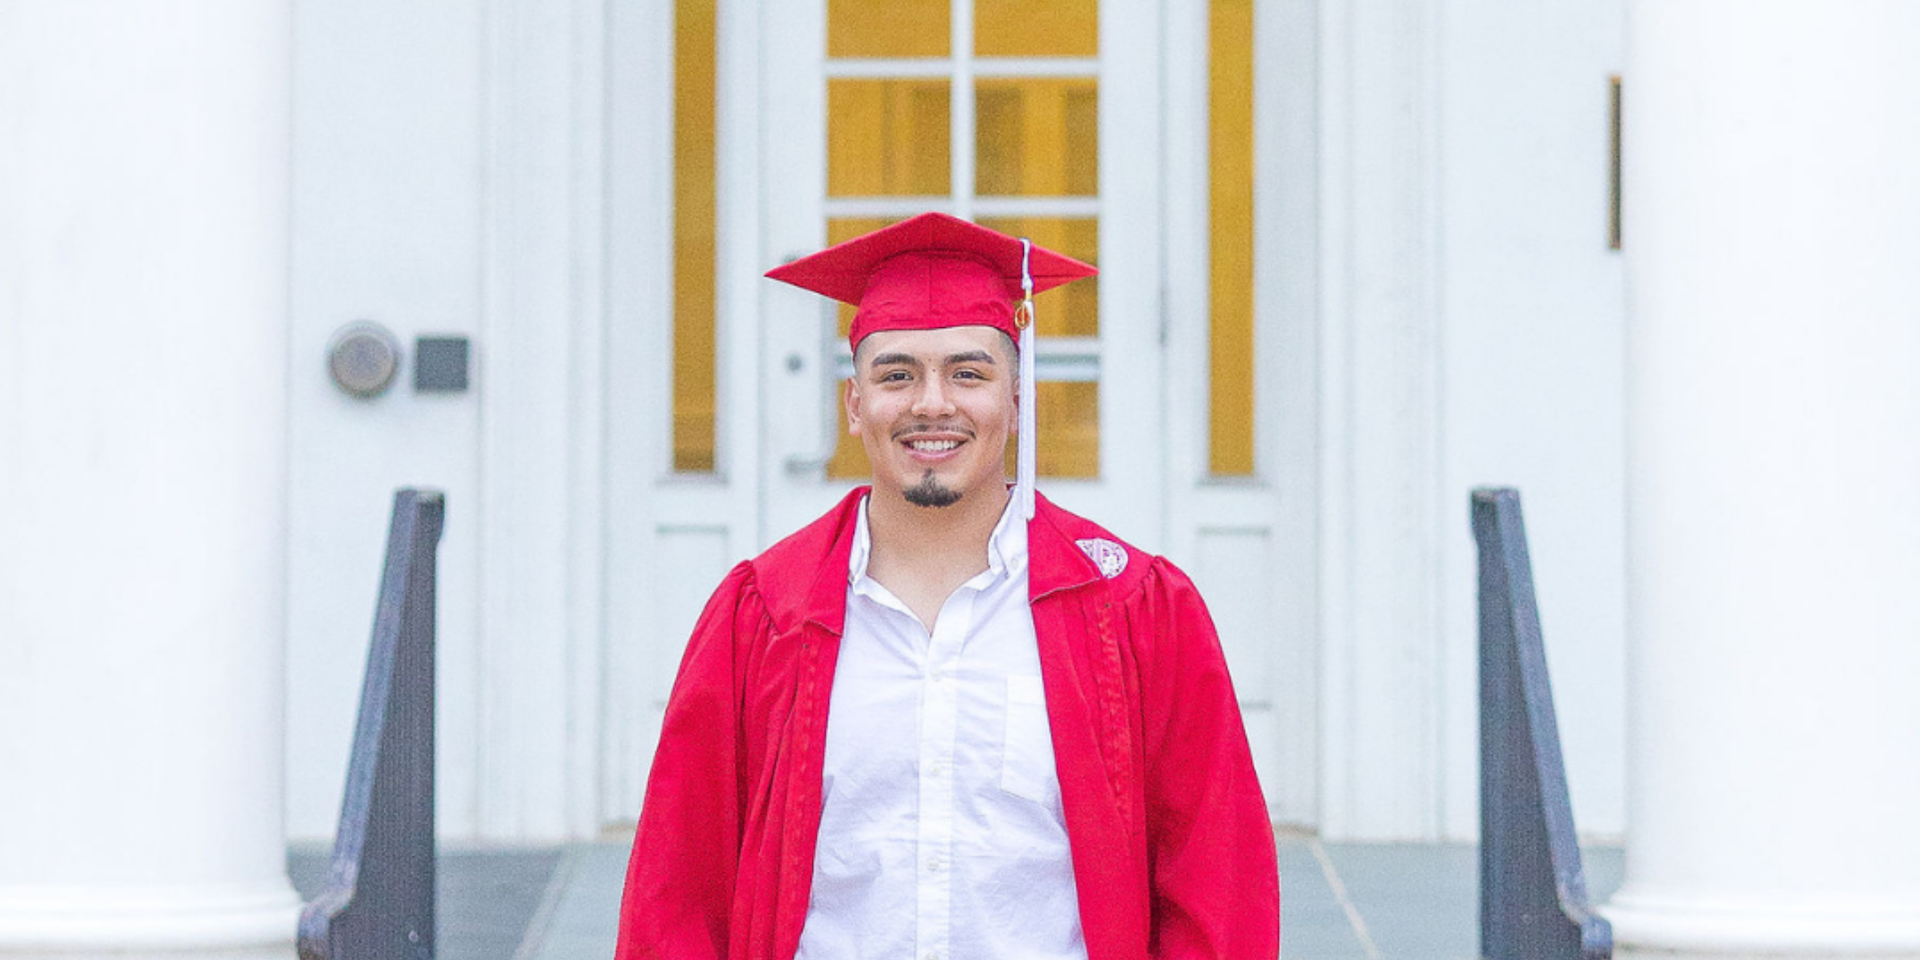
x=1214 y=881
x=685 y=860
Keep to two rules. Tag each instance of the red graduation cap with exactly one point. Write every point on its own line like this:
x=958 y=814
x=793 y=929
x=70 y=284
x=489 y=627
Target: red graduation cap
x=931 y=271
x=934 y=271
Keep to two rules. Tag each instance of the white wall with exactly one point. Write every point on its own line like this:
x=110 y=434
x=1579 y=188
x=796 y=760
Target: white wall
x=447 y=181
x=387 y=227
x=1532 y=369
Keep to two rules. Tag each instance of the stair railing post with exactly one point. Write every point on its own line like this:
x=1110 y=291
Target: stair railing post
x=378 y=902
x=1533 y=893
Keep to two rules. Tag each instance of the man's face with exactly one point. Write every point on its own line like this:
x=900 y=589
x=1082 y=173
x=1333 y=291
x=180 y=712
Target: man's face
x=934 y=409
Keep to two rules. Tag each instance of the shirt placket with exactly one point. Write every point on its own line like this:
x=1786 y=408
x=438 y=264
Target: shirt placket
x=938 y=728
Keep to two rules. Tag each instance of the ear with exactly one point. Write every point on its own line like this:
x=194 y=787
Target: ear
x=851 y=397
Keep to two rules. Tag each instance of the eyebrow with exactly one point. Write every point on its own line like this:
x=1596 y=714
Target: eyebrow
x=909 y=360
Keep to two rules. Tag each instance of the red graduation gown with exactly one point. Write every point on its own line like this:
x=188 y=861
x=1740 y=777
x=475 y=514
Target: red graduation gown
x=1173 y=854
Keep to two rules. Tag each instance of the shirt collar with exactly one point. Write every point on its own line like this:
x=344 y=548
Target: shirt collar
x=1006 y=547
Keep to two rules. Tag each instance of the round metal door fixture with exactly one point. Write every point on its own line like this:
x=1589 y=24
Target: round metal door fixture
x=363 y=357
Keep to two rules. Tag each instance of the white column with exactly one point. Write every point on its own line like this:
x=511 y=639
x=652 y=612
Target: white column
x=1773 y=260
x=143 y=363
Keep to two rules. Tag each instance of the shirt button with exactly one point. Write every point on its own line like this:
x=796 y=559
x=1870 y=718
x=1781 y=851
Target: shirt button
x=936 y=769
x=936 y=865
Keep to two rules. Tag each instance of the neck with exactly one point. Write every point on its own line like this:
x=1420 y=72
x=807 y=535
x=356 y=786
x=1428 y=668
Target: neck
x=950 y=538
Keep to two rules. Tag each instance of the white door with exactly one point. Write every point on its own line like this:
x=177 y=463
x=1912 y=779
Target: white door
x=771 y=128
x=874 y=111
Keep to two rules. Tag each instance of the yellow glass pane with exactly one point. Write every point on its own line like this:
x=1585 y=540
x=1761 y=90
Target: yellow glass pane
x=888 y=28
x=1230 y=211
x=1036 y=28
x=1037 y=136
x=888 y=138
x=1069 y=441
x=693 y=236
x=1072 y=310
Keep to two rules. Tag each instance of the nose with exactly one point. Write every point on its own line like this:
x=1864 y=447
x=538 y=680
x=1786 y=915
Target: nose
x=932 y=400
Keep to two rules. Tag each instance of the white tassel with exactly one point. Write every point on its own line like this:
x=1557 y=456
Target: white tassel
x=1029 y=404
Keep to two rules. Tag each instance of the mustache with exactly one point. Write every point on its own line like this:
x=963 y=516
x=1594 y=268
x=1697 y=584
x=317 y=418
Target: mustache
x=915 y=429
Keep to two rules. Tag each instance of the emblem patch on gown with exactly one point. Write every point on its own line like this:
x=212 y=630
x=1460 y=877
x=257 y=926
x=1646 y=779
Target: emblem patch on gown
x=1110 y=557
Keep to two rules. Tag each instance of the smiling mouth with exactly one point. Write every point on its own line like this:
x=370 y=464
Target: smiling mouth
x=932 y=439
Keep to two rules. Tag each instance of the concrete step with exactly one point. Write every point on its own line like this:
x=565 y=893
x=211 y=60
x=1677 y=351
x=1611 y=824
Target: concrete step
x=1339 y=901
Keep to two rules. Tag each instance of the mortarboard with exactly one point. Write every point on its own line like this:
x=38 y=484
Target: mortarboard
x=934 y=271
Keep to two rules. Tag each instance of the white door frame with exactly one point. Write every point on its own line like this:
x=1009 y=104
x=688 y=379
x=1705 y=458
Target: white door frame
x=669 y=538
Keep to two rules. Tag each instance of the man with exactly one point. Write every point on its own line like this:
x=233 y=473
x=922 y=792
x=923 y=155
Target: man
x=946 y=721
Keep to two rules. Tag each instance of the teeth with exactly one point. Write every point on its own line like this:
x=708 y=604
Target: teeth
x=934 y=446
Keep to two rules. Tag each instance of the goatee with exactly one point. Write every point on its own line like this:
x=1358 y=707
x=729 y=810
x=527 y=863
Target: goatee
x=929 y=493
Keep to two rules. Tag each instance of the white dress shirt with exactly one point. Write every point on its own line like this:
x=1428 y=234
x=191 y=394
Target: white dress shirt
x=941 y=831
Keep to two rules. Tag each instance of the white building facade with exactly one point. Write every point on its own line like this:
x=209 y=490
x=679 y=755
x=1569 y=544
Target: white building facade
x=1433 y=306
x=1404 y=209
x=1355 y=260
